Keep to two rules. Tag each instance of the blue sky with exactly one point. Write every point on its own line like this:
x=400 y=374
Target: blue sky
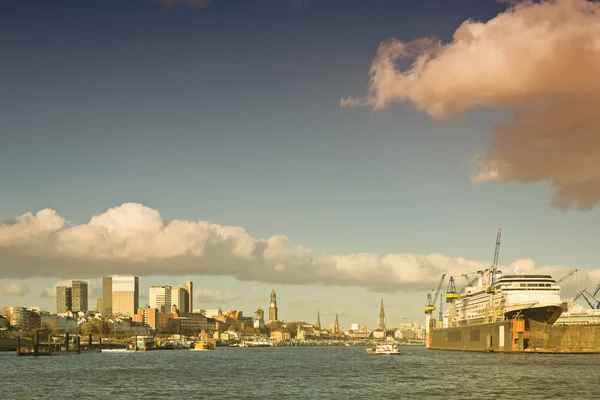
x=231 y=113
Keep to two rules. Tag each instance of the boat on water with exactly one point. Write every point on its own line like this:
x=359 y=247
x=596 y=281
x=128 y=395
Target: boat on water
x=204 y=346
x=383 y=349
x=204 y=343
x=519 y=295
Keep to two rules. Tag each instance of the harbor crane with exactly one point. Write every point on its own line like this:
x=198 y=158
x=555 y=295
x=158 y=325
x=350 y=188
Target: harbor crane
x=592 y=301
x=430 y=303
x=569 y=275
x=472 y=281
x=451 y=293
x=491 y=289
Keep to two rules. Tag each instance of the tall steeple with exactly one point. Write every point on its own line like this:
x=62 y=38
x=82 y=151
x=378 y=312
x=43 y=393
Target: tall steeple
x=381 y=319
x=273 y=306
x=318 y=325
x=336 y=325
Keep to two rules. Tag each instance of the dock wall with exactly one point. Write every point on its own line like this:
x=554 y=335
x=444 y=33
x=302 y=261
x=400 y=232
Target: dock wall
x=481 y=337
x=518 y=336
x=563 y=339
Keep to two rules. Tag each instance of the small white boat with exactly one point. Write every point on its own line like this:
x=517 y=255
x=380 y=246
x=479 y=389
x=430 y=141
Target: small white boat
x=384 y=349
x=114 y=350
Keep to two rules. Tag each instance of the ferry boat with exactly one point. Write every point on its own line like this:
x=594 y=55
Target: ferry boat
x=383 y=349
x=204 y=346
x=532 y=296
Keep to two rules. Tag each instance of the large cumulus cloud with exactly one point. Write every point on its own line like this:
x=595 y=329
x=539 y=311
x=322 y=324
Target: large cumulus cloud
x=540 y=59
x=135 y=239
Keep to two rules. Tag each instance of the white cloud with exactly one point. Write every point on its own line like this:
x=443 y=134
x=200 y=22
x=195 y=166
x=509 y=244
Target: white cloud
x=540 y=59
x=210 y=297
x=15 y=289
x=134 y=239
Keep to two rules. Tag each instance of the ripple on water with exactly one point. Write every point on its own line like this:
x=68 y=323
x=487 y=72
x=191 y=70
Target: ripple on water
x=300 y=372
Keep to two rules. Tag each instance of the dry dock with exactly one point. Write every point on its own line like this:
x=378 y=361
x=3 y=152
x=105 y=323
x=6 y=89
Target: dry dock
x=517 y=336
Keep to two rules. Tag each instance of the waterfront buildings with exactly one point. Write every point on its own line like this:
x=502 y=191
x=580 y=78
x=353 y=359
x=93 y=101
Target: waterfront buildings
x=178 y=298
x=106 y=295
x=258 y=321
x=63 y=299
x=148 y=316
x=160 y=297
x=381 y=319
x=281 y=334
x=22 y=318
x=59 y=323
x=125 y=295
x=273 y=307
x=79 y=296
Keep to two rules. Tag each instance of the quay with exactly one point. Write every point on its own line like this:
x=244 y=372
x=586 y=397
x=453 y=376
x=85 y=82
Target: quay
x=517 y=336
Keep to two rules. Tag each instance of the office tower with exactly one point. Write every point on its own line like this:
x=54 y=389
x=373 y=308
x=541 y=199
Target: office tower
x=79 y=296
x=106 y=295
x=381 y=319
x=159 y=297
x=189 y=303
x=125 y=295
x=63 y=299
x=273 y=307
x=178 y=296
x=318 y=325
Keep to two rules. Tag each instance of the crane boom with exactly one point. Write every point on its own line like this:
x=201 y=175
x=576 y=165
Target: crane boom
x=430 y=303
x=439 y=287
x=567 y=276
x=491 y=288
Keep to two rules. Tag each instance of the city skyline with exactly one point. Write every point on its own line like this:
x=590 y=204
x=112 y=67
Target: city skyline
x=315 y=147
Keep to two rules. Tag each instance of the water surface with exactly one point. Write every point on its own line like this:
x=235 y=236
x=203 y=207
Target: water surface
x=300 y=373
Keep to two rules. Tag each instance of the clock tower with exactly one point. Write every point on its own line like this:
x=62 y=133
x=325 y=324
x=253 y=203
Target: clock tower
x=273 y=307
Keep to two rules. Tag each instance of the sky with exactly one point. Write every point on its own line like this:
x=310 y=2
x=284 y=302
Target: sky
x=338 y=151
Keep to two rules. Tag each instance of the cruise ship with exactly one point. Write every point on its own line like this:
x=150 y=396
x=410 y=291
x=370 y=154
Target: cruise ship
x=536 y=297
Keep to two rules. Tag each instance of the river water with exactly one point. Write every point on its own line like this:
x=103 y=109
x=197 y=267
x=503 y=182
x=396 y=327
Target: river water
x=300 y=373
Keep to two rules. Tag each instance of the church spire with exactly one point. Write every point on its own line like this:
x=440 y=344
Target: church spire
x=381 y=319
x=336 y=325
x=318 y=325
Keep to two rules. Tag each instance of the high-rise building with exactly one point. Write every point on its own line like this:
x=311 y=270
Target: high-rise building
x=273 y=307
x=381 y=319
x=63 y=299
x=79 y=296
x=106 y=295
x=125 y=295
x=160 y=297
x=178 y=296
x=189 y=303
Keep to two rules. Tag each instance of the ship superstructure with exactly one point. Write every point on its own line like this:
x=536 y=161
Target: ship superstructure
x=520 y=295
x=492 y=297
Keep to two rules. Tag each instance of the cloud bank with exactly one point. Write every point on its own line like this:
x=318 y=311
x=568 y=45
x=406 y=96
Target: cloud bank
x=15 y=289
x=135 y=239
x=540 y=59
x=218 y=297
